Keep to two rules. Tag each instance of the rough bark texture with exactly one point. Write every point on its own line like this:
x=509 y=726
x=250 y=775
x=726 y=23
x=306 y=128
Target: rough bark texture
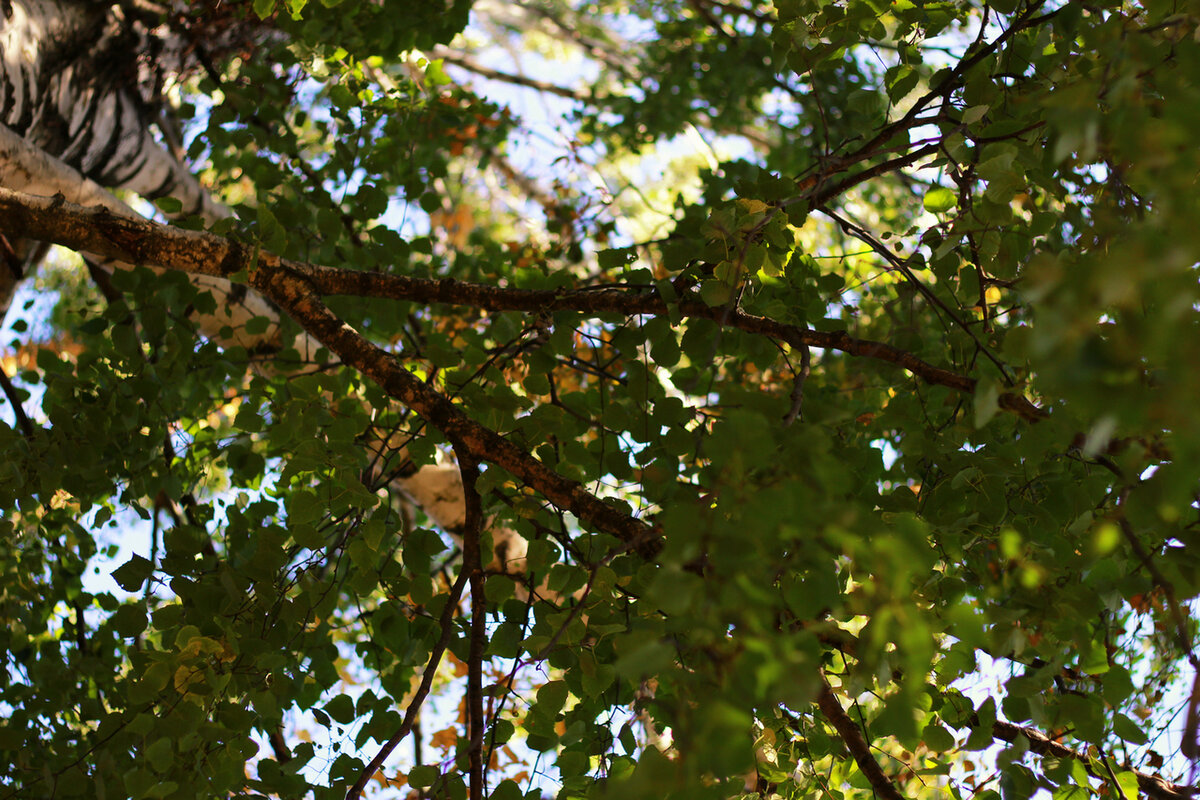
x=139 y=241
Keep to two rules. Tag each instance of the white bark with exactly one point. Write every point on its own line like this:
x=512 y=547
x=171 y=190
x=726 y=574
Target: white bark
x=26 y=168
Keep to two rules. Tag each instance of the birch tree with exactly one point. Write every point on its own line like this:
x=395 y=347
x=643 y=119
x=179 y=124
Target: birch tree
x=704 y=399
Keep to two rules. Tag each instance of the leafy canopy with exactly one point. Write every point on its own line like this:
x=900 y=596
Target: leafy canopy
x=832 y=359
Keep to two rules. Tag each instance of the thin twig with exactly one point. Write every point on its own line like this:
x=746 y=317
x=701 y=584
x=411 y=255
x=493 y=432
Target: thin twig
x=865 y=237
x=1147 y=560
x=1189 y=747
x=508 y=77
x=418 y=699
x=798 y=386
x=10 y=392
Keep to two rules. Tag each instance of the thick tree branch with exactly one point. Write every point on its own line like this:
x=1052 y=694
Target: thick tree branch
x=617 y=300
x=483 y=444
x=102 y=232
x=30 y=169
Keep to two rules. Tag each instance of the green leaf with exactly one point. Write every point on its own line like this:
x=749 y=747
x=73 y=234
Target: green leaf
x=499 y=588
x=11 y=737
x=169 y=205
x=616 y=257
x=436 y=73
x=423 y=776
x=507 y=790
x=1127 y=781
x=898 y=718
x=550 y=699
x=1118 y=686
x=130 y=620
x=939 y=200
x=937 y=738
x=341 y=709
x=1128 y=730
x=754 y=257
x=160 y=754
x=715 y=292
x=139 y=783
x=901 y=80
x=305 y=507
x=987 y=401
x=157 y=676
x=1093 y=658
x=974 y=114
x=133 y=573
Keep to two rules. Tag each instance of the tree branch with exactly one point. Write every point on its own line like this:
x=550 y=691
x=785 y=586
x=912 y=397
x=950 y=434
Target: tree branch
x=418 y=698
x=1043 y=745
x=301 y=302
x=473 y=566
x=19 y=415
x=856 y=744
x=100 y=231
x=507 y=77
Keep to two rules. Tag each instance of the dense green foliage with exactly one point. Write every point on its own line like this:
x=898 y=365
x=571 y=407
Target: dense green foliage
x=909 y=406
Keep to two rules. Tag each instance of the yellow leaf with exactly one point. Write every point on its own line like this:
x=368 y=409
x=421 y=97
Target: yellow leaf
x=752 y=206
